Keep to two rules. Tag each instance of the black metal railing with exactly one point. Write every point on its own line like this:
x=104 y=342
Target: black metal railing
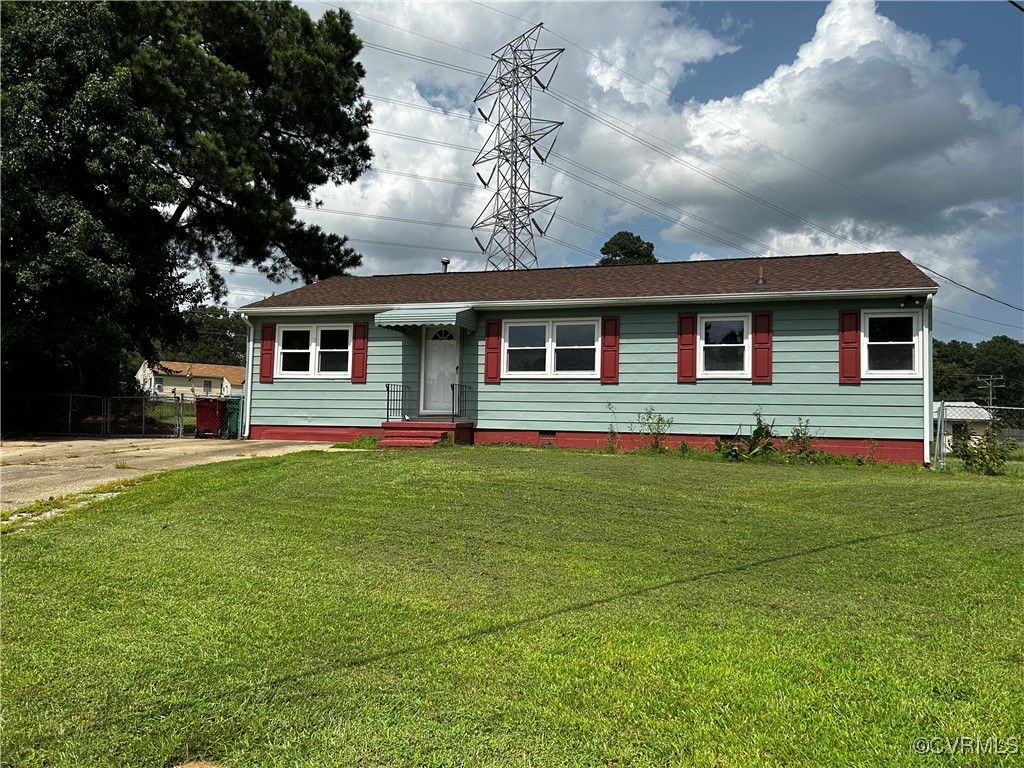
x=460 y=394
x=397 y=394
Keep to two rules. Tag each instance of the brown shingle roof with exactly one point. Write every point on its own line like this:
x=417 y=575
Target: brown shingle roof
x=235 y=374
x=783 y=275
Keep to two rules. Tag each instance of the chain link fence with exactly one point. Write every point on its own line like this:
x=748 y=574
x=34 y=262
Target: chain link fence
x=958 y=424
x=73 y=415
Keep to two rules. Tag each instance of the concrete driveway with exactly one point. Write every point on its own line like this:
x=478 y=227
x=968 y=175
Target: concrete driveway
x=31 y=470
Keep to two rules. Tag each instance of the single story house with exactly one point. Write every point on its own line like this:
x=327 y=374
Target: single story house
x=960 y=419
x=557 y=355
x=172 y=378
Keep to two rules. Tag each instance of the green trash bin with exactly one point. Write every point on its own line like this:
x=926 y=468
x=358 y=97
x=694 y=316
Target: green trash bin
x=233 y=416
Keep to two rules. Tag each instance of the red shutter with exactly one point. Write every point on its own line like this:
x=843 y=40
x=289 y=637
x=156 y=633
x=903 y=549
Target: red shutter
x=492 y=352
x=849 y=347
x=687 y=350
x=762 y=348
x=360 y=332
x=610 y=350
x=267 y=337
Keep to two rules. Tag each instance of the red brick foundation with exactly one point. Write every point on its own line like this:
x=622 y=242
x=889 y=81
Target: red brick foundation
x=892 y=451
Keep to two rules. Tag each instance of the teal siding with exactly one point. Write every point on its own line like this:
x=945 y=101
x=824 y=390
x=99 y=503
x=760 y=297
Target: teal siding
x=805 y=382
x=393 y=358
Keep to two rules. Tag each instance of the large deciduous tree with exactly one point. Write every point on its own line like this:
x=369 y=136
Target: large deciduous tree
x=626 y=248
x=141 y=143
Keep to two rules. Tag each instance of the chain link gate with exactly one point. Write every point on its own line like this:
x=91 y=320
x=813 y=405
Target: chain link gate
x=959 y=423
x=74 y=415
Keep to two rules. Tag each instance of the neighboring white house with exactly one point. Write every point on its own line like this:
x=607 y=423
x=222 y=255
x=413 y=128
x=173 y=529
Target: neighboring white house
x=173 y=378
x=961 y=419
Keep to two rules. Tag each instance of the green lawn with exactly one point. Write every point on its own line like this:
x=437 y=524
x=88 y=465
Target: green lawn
x=515 y=607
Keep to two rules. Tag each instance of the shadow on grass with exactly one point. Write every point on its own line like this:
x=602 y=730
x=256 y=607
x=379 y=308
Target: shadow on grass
x=506 y=626
x=599 y=601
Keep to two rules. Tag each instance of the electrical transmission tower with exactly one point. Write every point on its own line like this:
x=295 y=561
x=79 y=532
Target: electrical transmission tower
x=511 y=213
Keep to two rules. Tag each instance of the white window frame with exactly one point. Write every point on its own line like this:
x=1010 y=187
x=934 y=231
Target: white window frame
x=549 y=371
x=207 y=386
x=313 y=372
x=865 y=371
x=702 y=372
x=158 y=383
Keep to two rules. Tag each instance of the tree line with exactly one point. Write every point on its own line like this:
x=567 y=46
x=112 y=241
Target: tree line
x=957 y=367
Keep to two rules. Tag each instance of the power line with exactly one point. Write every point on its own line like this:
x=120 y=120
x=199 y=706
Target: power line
x=960 y=327
x=416 y=247
x=967 y=288
x=737 y=132
x=580 y=165
x=573 y=247
x=727 y=184
x=421 y=107
x=424 y=178
x=703 y=232
x=384 y=218
x=424 y=59
x=982 y=319
x=670 y=206
x=696 y=169
x=420 y=140
x=587 y=111
x=647 y=144
x=671 y=219
x=649 y=210
x=657 y=213
x=407 y=31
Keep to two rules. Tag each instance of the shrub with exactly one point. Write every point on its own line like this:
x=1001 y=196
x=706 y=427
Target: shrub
x=759 y=443
x=612 y=441
x=799 y=440
x=987 y=455
x=653 y=429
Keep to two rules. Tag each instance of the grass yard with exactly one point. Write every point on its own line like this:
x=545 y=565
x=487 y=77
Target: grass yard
x=517 y=607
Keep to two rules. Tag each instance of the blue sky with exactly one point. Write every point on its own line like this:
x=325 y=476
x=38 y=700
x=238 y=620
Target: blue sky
x=770 y=33
x=791 y=128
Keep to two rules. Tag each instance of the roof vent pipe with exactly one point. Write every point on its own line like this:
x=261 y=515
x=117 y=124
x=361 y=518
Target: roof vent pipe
x=444 y=264
x=760 y=277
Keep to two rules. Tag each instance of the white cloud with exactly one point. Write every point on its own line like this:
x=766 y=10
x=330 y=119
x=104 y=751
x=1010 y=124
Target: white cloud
x=927 y=162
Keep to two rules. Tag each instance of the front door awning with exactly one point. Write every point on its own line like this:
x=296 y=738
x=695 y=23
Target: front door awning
x=463 y=317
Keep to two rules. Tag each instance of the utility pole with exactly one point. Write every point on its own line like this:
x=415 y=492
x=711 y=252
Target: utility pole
x=991 y=382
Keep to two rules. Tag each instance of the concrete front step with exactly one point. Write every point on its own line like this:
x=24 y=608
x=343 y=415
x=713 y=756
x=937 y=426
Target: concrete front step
x=424 y=434
x=408 y=442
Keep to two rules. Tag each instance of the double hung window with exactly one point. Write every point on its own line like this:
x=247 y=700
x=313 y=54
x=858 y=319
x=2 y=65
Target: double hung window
x=723 y=346
x=314 y=351
x=565 y=348
x=891 y=344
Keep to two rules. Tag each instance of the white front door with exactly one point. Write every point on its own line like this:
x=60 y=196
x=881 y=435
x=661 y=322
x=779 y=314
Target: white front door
x=440 y=369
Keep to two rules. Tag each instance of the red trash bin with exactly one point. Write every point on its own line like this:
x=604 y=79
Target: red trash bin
x=209 y=416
